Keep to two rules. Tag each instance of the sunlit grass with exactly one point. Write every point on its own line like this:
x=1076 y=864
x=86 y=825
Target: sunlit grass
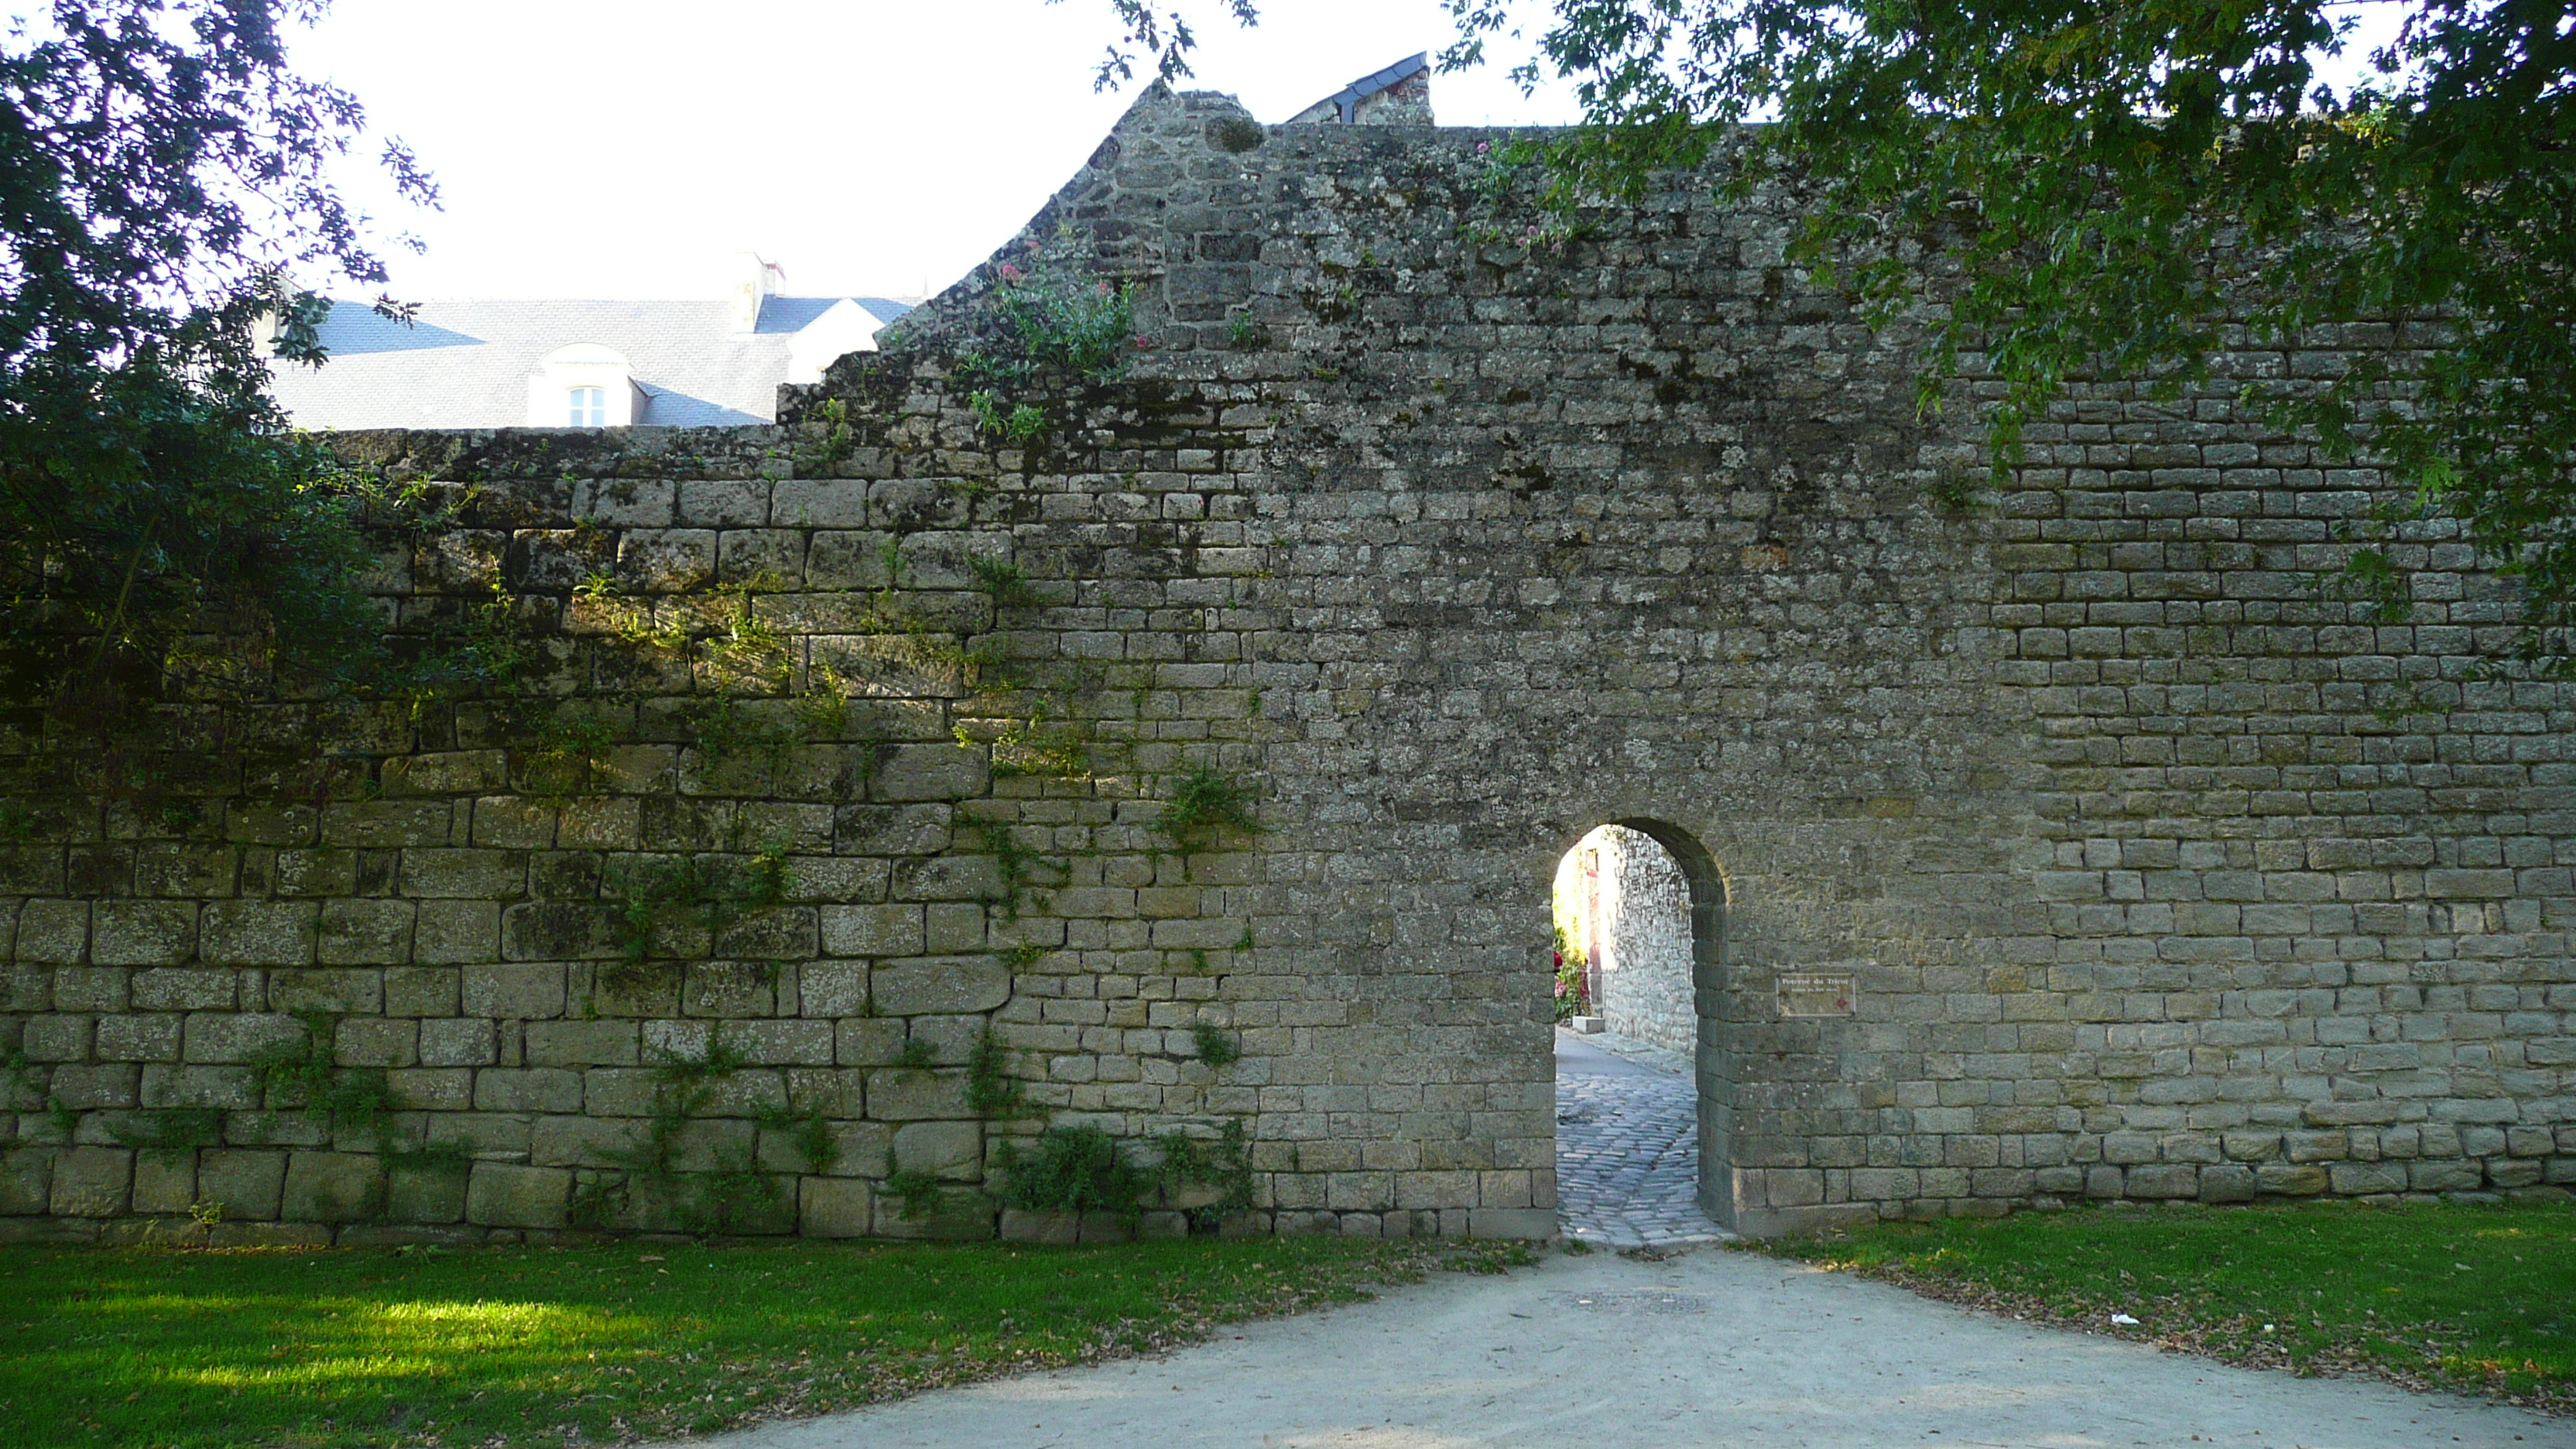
x=2463 y=1296
x=455 y=1348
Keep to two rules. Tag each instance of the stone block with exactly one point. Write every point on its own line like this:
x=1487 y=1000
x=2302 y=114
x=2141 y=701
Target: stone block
x=231 y=1234
x=835 y=1207
x=232 y=1088
x=93 y=988
x=431 y=1089
x=569 y=1141
x=364 y=933
x=561 y=930
x=214 y=1038
x=332 y=1187
x=1022 y=1226
x=202 y=988
x=949 y=1150
x=2227 y=1182
x=728 y=989
x=476 y=875
x=906 y=1094
x=873 y=930
x=1534 y=1224
x=2448 y=1175
x=142 y=933
x=257 y=933
x=896 y=830
x=929 y=772
x=378 y=1042
x=507 y=1195
x=514 y=992
x=868 y=1041
x=53 y=933
x=425 y=1194
x=92 y=1086
x=26 y=1180
x=2351 y=1179
x=782 y=1043
x=582 y=1043
x=956 y=1216
x=62 y=1037
x=508 y=1089
x=386 y=823
x=91 y=1182
x=138 y=1038
x=422 y=991
x=165 y=1183
x=949 y=927
x=2164 y=1180
x=334 y=992
x=249 y=1184
x=25 y=988
x=456 y=932
x=941 y=986
x=462 y=1041
x=832 y=988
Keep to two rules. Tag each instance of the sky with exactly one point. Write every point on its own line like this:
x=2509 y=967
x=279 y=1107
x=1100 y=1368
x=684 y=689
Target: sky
x=867 y=146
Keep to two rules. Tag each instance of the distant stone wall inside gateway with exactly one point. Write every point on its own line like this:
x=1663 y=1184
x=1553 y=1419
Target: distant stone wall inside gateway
x=1643 y=949
x=863 y=798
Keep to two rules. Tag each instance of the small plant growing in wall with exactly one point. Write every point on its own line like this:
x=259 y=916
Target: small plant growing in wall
x=1022 y=422
x=829 y=428
x=1205 y=805
x=712 y=893
x=991 y=1091
x=1084 y=1169
x=1082 y=325
x=1000 y=578
x=1215 y=1045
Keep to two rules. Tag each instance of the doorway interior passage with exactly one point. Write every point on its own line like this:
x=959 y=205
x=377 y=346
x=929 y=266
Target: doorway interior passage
x=1627 y=1105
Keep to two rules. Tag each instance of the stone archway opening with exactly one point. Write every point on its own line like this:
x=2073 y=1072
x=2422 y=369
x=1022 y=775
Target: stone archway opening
x=1636 y=909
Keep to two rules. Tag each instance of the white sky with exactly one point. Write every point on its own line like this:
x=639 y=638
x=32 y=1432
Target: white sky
x=636 y=149
x=868 y=146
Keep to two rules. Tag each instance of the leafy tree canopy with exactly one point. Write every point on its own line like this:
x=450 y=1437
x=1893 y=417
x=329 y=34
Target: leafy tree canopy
x=163 y=175
x=2123 y=186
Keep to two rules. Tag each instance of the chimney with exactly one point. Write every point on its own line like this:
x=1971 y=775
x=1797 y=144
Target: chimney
x=757 y=281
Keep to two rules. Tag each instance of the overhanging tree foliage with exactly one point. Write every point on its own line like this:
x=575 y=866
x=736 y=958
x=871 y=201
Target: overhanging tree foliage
x=163 y=175
x=2127 y=185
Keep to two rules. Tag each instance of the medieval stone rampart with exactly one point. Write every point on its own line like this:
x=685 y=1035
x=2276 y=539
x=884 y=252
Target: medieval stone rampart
x=2064 y=843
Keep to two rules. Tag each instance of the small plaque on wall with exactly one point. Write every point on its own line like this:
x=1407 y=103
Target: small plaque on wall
x=1816 y=993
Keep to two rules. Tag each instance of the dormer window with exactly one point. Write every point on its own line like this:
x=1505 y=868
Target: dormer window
x=584 y=386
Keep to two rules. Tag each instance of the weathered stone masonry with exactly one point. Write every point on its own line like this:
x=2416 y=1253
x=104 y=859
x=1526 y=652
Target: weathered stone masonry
x=2155 y=874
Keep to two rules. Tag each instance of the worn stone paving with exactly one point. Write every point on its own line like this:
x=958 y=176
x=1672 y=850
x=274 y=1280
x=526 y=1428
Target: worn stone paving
x=1627 y=1145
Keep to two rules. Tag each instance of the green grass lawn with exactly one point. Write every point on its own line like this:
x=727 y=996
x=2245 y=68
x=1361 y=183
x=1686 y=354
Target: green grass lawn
x=2474 y=1298
x=210 y=1350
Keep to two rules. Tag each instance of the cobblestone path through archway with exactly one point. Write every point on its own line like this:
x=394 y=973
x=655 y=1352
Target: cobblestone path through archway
x=1627 y=1145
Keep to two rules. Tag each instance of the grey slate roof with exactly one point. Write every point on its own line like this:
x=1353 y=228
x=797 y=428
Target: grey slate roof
x=1344 y=105
x=466 y=364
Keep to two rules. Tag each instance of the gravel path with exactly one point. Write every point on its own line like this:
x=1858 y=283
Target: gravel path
x=1706 y=1347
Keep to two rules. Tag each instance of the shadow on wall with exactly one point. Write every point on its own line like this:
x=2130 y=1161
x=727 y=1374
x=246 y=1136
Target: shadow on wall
x=1623 y=911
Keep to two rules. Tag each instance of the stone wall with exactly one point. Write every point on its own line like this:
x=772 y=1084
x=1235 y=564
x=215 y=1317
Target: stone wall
x=2065 y=843
x=1640 y=940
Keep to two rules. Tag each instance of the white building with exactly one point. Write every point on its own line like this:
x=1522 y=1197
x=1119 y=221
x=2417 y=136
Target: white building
x=554 y=364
